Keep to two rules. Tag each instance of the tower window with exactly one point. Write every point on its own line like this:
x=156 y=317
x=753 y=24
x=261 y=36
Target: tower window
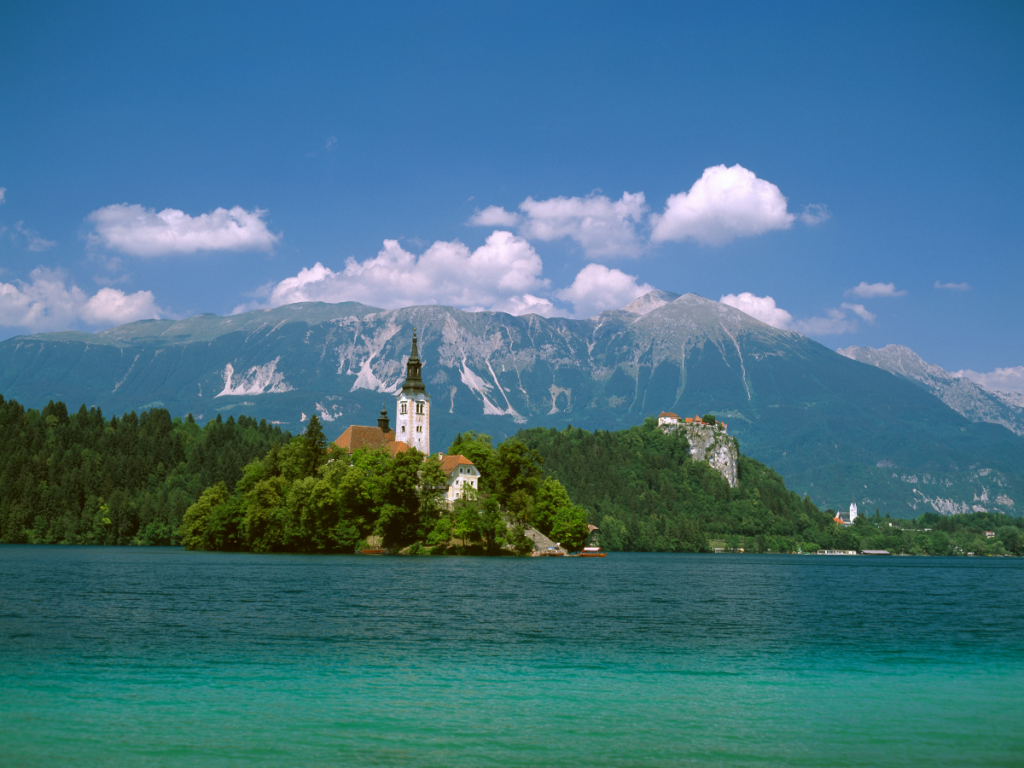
x=419 y=408
x=404 y=411
x=403 y=427
x=419 y=429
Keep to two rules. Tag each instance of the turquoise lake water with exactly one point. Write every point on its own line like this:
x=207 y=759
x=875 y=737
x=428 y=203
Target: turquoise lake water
x=155 y=656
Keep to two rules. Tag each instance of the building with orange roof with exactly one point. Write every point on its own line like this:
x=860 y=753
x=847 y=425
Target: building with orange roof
x=413 y=417
x=382 y=436
x=461 y=475
x=666 y=417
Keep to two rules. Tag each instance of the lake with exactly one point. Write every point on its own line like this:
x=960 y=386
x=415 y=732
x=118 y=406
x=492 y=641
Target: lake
x=156 y=656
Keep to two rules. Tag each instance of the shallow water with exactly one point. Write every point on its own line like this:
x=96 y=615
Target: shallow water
x=157 y=656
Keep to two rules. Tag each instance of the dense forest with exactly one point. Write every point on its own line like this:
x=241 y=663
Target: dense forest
x=146 y=478
x=307 y=496
x=80 y=478
x=645 y=493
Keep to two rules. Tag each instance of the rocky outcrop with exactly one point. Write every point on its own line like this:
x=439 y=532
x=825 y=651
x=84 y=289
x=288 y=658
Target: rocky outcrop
x=710 y=443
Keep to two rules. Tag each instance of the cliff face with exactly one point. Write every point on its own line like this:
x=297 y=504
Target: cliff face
x=712 y=445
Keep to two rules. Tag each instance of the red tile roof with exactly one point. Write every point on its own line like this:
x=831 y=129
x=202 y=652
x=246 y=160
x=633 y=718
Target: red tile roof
x=358 y=436
x=450 y=463
x=663 y=414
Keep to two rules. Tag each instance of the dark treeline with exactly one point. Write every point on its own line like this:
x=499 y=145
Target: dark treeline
x=80 y=478
x=306 y=496
x=646 y=494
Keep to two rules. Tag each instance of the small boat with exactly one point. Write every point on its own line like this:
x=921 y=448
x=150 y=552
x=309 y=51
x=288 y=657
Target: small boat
x=373 y=551
x=592 y=552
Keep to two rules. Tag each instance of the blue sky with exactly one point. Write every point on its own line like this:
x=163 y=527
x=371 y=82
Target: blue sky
x=172 y=159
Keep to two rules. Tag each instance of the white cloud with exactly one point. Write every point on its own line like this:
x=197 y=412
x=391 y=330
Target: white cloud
x=723 y=204
x=29 y=237
x=999 y=380
x=494 y=216
x=140 y=231
x=3 y=195
x=815 y=213
x=597 y=288
x=760 y=307
x=860 y=311
x=47 y=302
x=113 y=307
x=764 y=309
x=602 y=226
x=875 y=290
x=953 y=286
x=502 y=273
x=835 y=322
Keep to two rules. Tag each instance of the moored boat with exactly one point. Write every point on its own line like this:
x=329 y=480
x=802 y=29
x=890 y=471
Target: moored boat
x=592 y=552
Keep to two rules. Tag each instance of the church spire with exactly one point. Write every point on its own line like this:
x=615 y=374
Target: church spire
x=413 y=379
x=384 y=423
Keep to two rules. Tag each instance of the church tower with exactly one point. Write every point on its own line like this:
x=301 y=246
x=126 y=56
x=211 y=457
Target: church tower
x=412 y=422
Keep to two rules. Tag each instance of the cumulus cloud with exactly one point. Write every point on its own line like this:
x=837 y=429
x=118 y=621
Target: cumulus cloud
x=723 y=204
x=502 y=273
x=860 y=311
x=604 y=227
x=597 y=288
x=494 y=216
x=762 y=308
x=836 y=321
x=815 y=213
x=952 y=286
x=3 y=195
x=140 y=231
x=999 y=380
x=47 y=302
x=875 y=290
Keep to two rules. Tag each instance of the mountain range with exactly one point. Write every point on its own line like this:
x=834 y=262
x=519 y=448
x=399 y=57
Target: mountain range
x=962 y=395
x=832 y=426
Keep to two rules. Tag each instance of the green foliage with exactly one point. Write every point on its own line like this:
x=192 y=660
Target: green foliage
x=82 y=479
x=708 y=418
x=643 y=490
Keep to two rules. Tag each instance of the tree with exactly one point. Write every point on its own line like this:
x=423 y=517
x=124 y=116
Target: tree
x=194 y=524
x=708 y=418
x=570 y=527
x=519 y=469
x=316 y=445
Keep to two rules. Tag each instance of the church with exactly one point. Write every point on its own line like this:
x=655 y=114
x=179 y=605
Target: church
x=412 y=430
x=412 y=427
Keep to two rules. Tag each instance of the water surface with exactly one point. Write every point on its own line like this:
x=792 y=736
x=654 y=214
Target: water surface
x=157 y=656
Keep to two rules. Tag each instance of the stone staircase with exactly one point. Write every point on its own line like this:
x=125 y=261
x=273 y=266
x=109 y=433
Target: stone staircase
x=542 y=543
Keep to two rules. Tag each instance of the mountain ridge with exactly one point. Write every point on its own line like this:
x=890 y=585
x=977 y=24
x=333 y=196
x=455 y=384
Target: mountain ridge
x=825 y=422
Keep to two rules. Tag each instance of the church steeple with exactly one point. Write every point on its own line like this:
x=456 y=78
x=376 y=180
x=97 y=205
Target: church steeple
x=384 y=423
x=413 y=380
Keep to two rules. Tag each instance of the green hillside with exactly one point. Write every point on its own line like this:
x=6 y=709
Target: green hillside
x=81 y=478
x=643 y=490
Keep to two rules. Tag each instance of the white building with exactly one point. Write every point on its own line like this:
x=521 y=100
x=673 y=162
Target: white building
x=668 y=418
x=461 y=474
x=412 y=424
